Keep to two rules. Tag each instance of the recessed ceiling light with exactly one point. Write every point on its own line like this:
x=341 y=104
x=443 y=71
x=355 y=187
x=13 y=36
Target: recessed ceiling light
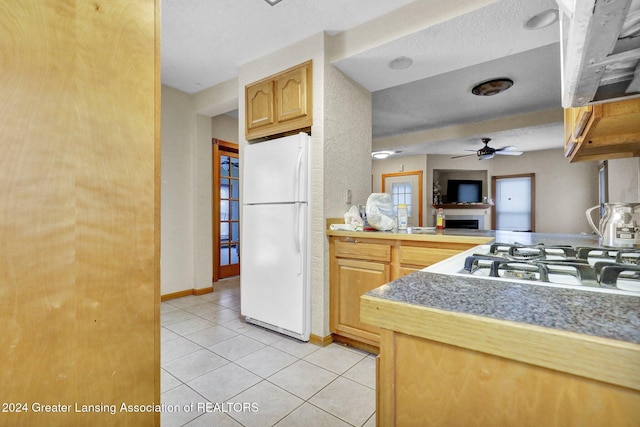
x=492 y=87
x=273 y=2
x=400 y=63
x=542 y=19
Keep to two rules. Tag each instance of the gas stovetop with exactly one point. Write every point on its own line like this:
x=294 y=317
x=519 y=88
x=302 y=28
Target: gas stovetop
x=604 y=269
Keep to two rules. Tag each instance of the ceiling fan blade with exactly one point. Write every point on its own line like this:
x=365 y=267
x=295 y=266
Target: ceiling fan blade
x=464 y=155
x=509 y=150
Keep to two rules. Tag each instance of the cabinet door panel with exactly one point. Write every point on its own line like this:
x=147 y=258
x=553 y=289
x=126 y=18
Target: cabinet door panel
x=292 y=95
x=355 y=278
x=260 y=105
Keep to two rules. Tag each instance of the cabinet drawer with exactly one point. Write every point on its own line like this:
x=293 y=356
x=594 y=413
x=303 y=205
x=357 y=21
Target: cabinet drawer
x=424 y=256
x=361 y=250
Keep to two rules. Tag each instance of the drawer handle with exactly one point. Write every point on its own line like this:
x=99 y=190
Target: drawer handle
x=350 y=240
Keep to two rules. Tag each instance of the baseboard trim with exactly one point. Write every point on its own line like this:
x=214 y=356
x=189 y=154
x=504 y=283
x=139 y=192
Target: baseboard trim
x=186 y=292
x=356 y=344
x=203 y=291
x=322 y=342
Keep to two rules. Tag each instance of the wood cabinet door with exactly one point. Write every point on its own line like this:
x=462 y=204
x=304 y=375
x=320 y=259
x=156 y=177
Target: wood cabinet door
x=259 y=108
x=292 y=93
x=353 y=279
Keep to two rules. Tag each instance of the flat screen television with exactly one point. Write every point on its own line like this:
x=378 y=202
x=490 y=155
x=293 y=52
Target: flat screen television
x=464 y=191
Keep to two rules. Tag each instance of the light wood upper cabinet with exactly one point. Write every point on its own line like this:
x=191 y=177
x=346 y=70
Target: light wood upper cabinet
x=260 y=106
x=603 y=131
x=280 y=103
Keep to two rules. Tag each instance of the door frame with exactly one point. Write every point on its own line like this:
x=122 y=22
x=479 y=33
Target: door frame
x=418 y=174
x=532 y=176
x=219 y=147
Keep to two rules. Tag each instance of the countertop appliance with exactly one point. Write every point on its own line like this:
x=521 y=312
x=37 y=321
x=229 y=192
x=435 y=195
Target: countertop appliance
x=617 y=226
x=597 y=269
x=274 y=235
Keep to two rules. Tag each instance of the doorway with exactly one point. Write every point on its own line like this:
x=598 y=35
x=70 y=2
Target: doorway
x=514 y=208
x=226 y=210
x=406 y=188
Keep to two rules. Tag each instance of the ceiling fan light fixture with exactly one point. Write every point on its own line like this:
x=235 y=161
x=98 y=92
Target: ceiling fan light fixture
x=381 y=154
x=400 y=63
x=273 y=2
x=492 y=87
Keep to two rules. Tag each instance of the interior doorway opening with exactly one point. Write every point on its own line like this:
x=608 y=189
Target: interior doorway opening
x=226 y=210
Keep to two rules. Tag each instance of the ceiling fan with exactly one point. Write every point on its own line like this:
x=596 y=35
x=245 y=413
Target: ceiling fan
x=486 y=152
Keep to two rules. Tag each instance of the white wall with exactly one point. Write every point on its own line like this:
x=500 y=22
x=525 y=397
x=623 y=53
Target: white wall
x=202 y=209
x=224 y=128
x=624 y=180
x=177 y=215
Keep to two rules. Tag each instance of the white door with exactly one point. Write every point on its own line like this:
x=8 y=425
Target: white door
x=513 y=204
x=274 y=283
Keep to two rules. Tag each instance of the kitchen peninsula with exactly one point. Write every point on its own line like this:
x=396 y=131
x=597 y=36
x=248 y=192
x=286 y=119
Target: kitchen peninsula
x=458 y=350
x=361 y=261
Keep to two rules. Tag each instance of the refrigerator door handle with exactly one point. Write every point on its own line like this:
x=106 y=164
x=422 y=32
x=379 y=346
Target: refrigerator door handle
x=298 y=176
x=298 y=236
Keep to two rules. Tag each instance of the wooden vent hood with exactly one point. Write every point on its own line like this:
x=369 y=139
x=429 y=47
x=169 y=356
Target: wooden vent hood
x=600 y=51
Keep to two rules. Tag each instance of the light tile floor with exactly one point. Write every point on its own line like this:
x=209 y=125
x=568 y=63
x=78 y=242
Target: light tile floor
x=250 y=376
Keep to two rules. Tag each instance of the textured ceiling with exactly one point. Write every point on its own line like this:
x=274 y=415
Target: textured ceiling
x=204 y=42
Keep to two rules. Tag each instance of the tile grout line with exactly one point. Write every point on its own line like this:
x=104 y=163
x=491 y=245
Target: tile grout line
x=272 y=345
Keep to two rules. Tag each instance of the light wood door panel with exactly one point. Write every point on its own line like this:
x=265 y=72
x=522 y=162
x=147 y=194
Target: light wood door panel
x=356 y=278
x=79 y=218
x=292 y=95
x=437 y=384
x=260 y=105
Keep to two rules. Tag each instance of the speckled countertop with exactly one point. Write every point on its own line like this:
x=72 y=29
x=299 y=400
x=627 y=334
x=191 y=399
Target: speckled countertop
x=591 y=313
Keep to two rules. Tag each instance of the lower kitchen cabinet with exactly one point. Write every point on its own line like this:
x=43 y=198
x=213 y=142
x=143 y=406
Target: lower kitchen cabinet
x=359 y=265
x=414 y=256
x=355 y=278
x=429 y=383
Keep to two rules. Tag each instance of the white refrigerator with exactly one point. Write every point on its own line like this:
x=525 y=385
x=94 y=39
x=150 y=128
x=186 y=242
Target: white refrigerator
x=274 y=235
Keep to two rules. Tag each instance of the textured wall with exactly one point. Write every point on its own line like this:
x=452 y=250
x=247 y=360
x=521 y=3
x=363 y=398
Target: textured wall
x=347 y=159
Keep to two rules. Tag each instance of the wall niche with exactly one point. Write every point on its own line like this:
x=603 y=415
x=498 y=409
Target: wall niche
x=442 y=176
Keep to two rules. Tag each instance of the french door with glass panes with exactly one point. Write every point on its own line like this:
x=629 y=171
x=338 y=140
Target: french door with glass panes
x=226 y=210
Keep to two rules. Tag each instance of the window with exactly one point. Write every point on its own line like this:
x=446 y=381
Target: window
x=401 y=193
